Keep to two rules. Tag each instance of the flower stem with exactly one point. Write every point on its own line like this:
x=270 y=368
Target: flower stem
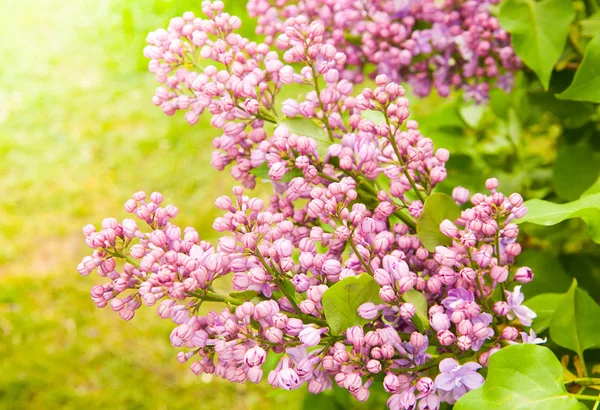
x=318 y=91
x=397 y=151
x=426 y=366
x=208 y=296
x=585 y=370
x=359 y=256
x=401 y=215
x=306 y=318
x=486 y=304
x=584 y=397
x=125 y=257
x=406 y=219
x=287 y=294
x=585 y=381
x=328 y=177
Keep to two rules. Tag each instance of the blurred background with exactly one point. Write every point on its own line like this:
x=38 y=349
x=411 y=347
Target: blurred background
x=79 y=135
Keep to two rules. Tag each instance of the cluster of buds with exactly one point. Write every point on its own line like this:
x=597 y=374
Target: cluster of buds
x=351 y=175
x=441 y=45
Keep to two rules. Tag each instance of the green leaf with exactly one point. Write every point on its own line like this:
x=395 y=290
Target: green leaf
x=436 y=208
x=289 y=286
x=442 y=114
x=590 y=26
x=244 y=295
x=499 y=102
x=593 y=189
x=453 y=139
x=262 y=172
x=585 y=267
x=521 y=377
x=550 y=276
x=420 y=319
x=341 y=301
x=376 y=116
x=294 y=173
x=544 y=305
x=444 y=125
x=576 y=325
x=575 y=170
x=308 y=128
x=539 y=32
x=573 y=114
x=514 y=127
x=586 y=84
x=326 y=227
x=472 y=113
x=546 y=213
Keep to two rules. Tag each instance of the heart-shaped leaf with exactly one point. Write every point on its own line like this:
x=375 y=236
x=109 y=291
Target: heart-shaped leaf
x=436 y=208
x=550 y=276
x=262 y=173
x=306 y=127
x=420 y=319
x=521 y=377
x=376 y=116
x=575 y=324
x=590 y=26
x=544 y=305
x=586 y=84
x=341 y=301
x=472 y=113
x=539 y=31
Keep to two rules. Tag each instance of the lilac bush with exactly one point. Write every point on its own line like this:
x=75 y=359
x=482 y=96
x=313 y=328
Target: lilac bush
x=354 y=187
x=441 y=45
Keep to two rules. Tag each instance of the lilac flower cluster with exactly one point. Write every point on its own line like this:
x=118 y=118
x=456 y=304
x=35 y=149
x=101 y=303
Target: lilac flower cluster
x=441 y=45
x=280 y=275
x=351 y=175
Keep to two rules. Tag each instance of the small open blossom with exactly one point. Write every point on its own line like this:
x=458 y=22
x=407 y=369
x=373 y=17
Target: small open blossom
x=523 y=313
x=530 y=338
x=455 y=380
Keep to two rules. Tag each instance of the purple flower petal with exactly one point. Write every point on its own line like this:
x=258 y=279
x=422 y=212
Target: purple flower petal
x=472 y=380
x=447 y=365
x=471 y=366
x=445 y=382
x=459 y=392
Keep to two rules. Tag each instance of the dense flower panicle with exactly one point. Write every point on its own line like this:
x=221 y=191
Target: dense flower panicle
x=429 y=44
x=205 y=66
x=240 y=88
x=351 y=174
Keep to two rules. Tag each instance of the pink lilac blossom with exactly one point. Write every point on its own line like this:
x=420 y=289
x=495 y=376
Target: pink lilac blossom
x=456 y=380
x=530 y=338
x=523 y=313
x=345 y=203
x=441 y=45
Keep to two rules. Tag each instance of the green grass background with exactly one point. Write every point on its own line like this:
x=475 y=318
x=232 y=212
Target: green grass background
x=78 y=135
